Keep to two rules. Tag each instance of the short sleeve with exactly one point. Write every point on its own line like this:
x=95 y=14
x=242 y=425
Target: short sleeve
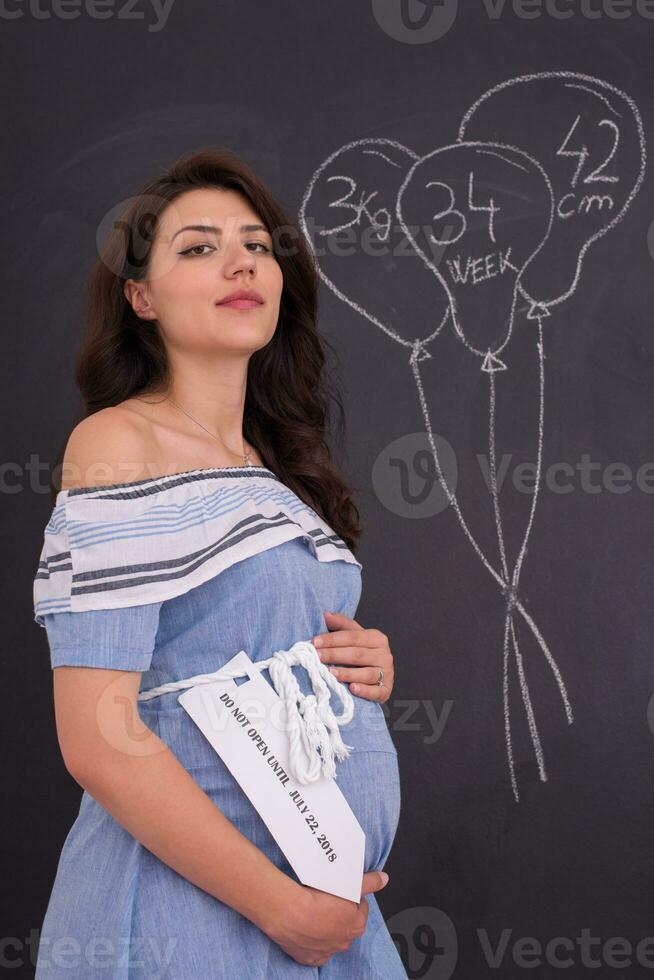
x=117 y=639
x=94 y=593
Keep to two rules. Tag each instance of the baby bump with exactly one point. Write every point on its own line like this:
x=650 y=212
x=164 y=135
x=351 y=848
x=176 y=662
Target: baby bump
x=368 y=778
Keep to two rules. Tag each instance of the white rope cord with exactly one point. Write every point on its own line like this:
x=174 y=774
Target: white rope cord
x=315 y=739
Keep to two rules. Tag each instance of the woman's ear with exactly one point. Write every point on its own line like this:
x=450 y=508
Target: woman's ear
x=136 y=295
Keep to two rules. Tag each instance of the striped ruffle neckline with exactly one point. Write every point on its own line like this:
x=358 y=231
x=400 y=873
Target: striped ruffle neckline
x=125 y=544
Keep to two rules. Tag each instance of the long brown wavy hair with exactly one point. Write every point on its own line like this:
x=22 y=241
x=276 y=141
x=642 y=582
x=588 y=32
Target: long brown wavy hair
x=289 y=395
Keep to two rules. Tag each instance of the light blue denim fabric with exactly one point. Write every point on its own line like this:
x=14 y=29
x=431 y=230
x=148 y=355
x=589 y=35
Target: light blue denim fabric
x=116 y=911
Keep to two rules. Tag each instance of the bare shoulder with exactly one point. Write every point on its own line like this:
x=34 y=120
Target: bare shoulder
x=113 y=445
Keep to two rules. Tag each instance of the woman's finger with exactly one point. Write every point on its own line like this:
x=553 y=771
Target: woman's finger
x=342 y=638
x=373 y=692
x=340 y=621
x=357 y=656
x=359 y=675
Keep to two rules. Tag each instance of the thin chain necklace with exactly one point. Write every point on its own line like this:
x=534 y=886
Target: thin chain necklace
x=246 y=456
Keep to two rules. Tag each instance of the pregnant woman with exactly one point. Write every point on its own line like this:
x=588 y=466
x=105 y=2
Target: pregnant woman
x=200 y=514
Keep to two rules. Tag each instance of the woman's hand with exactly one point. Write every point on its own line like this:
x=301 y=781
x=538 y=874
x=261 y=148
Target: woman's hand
x=315 y=924
x=349 y=643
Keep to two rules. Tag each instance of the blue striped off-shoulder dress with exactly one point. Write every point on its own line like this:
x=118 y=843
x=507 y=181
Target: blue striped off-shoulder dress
x=172 y=576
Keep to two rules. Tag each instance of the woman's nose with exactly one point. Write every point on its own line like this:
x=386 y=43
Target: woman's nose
x=240 y=261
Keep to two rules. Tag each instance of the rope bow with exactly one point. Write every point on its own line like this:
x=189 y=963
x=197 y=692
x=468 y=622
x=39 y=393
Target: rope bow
x=315 y=739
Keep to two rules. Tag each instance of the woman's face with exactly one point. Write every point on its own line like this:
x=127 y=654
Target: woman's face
x=192 y=269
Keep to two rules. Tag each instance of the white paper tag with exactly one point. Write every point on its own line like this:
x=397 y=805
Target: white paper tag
x=312 y=823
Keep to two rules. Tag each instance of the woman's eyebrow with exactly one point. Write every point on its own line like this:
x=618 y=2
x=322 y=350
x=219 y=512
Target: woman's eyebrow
x=216 y=230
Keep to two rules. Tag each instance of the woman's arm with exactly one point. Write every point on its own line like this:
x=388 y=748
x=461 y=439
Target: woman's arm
x=134 y=775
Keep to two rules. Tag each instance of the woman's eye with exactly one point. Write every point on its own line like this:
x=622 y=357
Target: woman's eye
x=192 y=249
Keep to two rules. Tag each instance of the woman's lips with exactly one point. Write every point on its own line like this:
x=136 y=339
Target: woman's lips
x=241 y=304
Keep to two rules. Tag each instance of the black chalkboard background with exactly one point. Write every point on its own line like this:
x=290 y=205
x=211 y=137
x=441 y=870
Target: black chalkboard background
x=490 y=859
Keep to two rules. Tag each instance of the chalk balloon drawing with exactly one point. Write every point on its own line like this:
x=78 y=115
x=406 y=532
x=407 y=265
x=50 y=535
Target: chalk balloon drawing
x=489 y=209
x=589 y=137
x=543 y=166
x=349 y=209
